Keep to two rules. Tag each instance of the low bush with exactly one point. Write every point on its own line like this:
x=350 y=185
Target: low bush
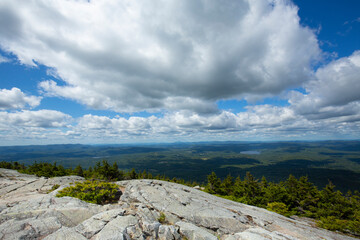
x=97 y=192
x=278 y=207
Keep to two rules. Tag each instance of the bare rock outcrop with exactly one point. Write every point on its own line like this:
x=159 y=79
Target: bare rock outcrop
x=27 y=211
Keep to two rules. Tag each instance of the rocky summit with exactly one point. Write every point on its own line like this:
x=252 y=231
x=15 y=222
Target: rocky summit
x=147 y=209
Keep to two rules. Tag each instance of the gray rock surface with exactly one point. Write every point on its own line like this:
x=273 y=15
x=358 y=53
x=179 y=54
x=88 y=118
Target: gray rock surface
x=28 y=211
x=192 y=231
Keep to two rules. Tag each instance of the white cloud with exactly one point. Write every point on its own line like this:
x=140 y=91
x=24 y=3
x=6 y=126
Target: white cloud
x=338 y=82
x=263 y=122
x=334 y=92
x=265 y=116
x=259 y=122
x=33 y=127
x=178 y=55
x=176 y=124
x=40 y=118
x=16 y=99
x=180 y=58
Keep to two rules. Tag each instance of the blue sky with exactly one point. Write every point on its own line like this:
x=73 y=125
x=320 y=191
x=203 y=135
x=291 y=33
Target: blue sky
x=337 y=21
x=125 y=71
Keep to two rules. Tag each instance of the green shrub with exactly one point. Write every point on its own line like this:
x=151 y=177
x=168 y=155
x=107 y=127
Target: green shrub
x=278 y=207
x=93 y=191
x=334 y=224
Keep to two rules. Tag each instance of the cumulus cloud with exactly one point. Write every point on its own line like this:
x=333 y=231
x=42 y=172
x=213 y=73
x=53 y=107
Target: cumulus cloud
x=264 y=122
x=131 y=56
x=16 y=99
x=40 y=118
x=176 y=124
x=338 y=82
x=334 y=92
x=259 y=122
x=184 y=123
x=34 y=127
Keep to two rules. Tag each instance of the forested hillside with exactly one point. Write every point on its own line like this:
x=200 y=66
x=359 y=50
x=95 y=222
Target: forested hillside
x=337 y=161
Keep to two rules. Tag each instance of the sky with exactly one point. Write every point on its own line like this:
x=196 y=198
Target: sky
x=111 y=71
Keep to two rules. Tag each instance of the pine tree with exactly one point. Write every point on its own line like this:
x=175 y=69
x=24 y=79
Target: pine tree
x=214 y=184
x=133 y=174
x=79 y=171
x=227 y=185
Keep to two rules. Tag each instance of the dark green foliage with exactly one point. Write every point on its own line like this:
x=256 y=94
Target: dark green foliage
x=101 y=171
x=13 y=165
x=132 y=174
x=294 y=197
x=97 y=192
x=214 y=184
x=227 y=185
x=46 y=170
x=275 y=193
x=106 y=172
x=79 y=171
x=302 y=195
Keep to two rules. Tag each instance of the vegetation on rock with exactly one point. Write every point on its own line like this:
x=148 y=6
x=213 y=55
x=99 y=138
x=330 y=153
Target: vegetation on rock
x=98 y=192
x=53 y=188
x=162 y=218
x=333 y=210
x=278 y=207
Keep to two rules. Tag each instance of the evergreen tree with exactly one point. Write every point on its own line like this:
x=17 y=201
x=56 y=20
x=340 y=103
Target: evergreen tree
x=239 y=189
x=252 y=190
x=133 y=174
x=275 y=193
x=79 y=171
x=264 y=182
x=227 y=185
x=214 y=184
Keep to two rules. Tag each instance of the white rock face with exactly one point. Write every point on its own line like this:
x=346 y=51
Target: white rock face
x=28 y=212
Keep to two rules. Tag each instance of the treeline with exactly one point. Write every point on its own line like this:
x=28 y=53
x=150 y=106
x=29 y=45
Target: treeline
x=333 y=210
x=101 y=171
